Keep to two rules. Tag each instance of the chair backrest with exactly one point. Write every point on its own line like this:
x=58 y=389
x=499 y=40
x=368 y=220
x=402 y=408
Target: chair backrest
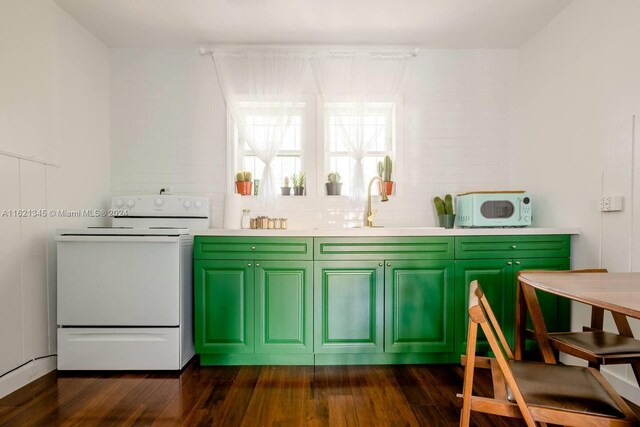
x=480 y=313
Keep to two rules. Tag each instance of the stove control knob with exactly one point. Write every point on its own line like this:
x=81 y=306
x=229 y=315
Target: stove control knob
x=198 y=204
x=119 y=203
x=131 y=203
x=187 y=204
x=159 y=201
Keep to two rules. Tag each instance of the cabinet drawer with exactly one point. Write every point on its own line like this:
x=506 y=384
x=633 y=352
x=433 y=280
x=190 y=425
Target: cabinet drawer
x=486 y=247
x=378 y=248
x=267 y=248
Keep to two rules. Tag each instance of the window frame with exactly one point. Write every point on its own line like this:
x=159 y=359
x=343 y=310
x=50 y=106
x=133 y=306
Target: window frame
x=323 y=154
x=307 y=134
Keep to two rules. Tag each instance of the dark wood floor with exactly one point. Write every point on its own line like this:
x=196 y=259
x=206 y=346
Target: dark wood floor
x=410 y=395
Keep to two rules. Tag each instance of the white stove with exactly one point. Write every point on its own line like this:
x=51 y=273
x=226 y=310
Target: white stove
x=124 y=231
x=125 y=293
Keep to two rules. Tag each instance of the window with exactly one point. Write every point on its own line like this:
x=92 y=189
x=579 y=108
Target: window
x=290 y=157
x=378 y=133
x=315 y=142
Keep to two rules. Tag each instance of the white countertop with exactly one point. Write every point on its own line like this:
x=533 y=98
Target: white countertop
x=386 y=232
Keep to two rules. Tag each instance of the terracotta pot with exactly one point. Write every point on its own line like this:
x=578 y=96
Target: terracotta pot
x=244 y=188
x=388 y=185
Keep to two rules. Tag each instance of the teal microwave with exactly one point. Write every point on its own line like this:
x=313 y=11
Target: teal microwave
x=493 y=209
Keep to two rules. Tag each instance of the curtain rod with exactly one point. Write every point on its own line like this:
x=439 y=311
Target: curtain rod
x=412 y=51
x=28 y=158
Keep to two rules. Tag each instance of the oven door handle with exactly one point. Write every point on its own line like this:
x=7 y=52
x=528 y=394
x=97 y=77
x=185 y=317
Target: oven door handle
x=119 y=239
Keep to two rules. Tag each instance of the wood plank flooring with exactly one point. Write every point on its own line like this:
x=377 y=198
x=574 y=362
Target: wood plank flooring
x=409 y=395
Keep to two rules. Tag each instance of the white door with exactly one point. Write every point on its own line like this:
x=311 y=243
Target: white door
x=118 y=280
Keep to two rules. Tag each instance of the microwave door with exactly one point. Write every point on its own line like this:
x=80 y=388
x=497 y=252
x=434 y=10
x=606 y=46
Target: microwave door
x=497 y=209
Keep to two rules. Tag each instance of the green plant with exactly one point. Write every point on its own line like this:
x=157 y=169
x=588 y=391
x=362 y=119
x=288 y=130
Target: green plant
x=286 y=181
x=243 y=176
x=333 y=177
x=448 y=204
x=444 y=207
x=298 y=179
x=388 y=167
x=385 y=167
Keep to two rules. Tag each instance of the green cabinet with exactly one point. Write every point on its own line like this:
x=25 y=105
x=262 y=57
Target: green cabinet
x=419 y=306
x=384 y=295
x=361 y=300
x=284 y=307
x=482 y=259
x=253 y=310
x=224 y=306
x=349 y=304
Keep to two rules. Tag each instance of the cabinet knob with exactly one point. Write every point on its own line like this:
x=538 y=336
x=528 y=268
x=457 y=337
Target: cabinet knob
x=517 y=262
x=388 y=264
x=514 y=247
x=509 y=263
x=380 y=264
x=249 y=265
x=253 y=248
x=257 y=264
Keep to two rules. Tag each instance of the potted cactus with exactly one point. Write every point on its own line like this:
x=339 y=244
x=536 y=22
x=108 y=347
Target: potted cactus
x=334 y=186
x=243 y=183
x=444 y=208
x=286 y=190
x=385 y=167
x=298 y=180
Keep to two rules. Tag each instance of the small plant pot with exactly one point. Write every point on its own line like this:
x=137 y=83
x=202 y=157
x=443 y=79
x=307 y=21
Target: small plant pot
x=286 y=191
x=298 y=191
x=388 y=187
x=334 y=188
x=244 y=188
x=447 y=220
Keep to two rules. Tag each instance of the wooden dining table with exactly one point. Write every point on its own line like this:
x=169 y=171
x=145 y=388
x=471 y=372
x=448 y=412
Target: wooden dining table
x=618 y=293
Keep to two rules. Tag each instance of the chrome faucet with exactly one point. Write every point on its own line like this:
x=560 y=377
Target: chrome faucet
x=368 y=216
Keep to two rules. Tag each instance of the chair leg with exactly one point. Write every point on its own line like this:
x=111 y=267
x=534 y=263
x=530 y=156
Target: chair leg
x=467 y=387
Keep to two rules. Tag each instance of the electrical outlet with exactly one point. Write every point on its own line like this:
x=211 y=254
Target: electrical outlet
x=611 y=203
x=166 y=189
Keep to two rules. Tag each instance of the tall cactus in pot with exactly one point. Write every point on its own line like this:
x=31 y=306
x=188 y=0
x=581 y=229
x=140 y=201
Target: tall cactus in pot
x=385 y=168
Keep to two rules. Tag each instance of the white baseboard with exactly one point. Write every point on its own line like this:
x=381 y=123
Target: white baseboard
x=629 y=391
x=25 y=374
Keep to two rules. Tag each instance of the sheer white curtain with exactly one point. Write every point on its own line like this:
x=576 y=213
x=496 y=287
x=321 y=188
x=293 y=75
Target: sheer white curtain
x=349 y=82
x=272 y=81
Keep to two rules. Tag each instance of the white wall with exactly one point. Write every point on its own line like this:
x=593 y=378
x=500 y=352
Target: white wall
x=54 y=105
x=580 y=87
x=168 y=126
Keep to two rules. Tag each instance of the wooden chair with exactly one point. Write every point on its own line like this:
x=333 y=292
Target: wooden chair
x=537 y=392
x=593 y=344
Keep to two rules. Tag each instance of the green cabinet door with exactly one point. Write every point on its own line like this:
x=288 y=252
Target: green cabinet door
x=284 y=306
x=349 y=301
x=419 y=309
x=495 y=279
x=556 y=310
x=224 y=306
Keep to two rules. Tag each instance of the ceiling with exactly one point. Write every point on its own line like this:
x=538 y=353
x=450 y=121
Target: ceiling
x=425 y=23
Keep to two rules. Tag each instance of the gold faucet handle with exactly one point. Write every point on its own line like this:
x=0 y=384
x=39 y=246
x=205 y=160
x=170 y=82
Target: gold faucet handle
x=372 y=215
